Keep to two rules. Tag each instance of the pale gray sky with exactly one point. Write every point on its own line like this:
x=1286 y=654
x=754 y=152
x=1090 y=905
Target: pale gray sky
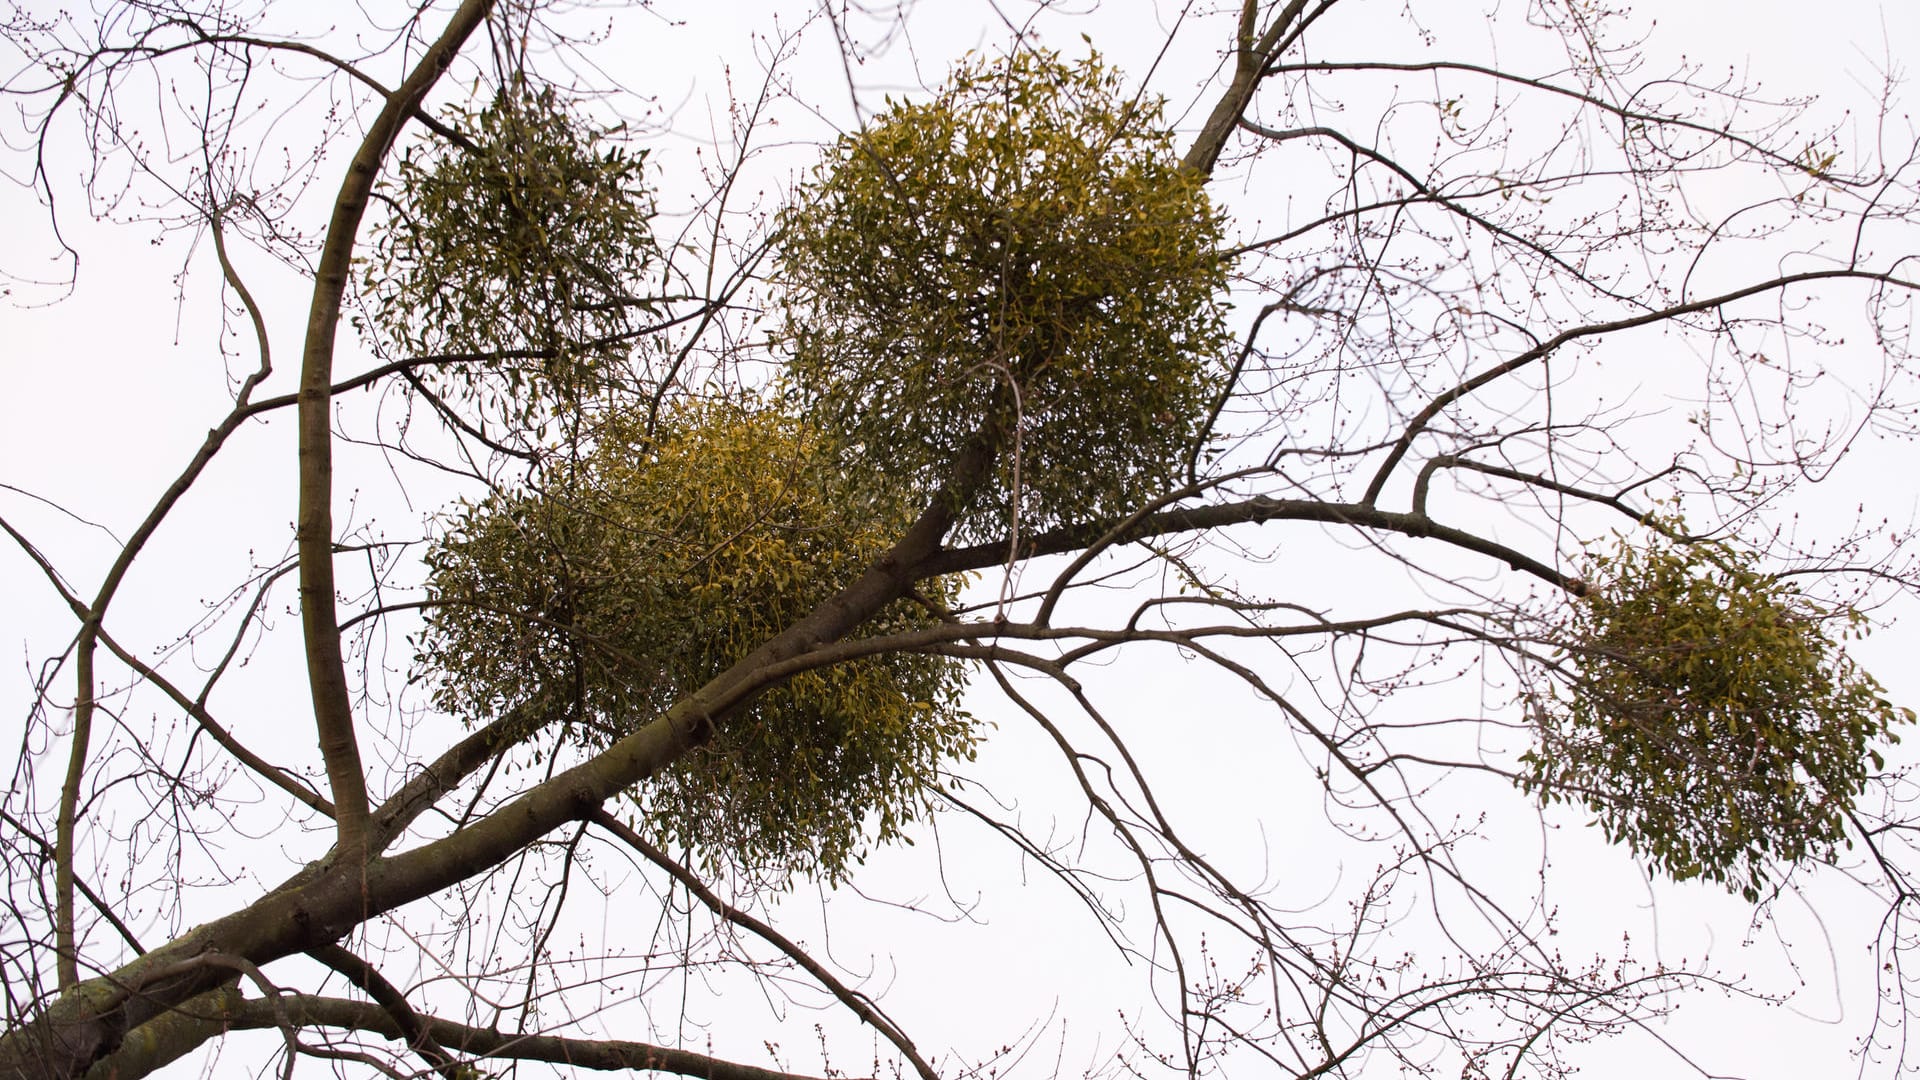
x=107 y=391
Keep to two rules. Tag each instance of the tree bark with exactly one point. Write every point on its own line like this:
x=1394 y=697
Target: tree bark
x=326 y=670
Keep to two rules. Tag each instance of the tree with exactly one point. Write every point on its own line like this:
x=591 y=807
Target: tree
x=739 y=466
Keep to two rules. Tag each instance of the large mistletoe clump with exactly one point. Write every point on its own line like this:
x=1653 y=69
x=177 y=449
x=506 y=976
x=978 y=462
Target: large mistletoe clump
x=1021 y=262
x=625 y=580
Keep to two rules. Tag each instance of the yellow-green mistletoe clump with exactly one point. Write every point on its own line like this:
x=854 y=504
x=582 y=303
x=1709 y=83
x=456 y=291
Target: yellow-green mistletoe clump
x=1713 y=721
x=521 y=243
x=623 y=580
x=1020 y=260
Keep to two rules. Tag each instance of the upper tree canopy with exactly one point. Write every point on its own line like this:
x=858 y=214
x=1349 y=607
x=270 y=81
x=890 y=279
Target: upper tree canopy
x=1018 y=264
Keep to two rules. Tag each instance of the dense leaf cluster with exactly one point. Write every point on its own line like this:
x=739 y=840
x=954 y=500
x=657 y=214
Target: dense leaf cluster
x=1715 y=723
x=628 y=578
x=522 y=245
x=1021 y=260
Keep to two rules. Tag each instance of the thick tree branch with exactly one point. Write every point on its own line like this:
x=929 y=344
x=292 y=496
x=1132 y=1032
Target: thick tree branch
x=326 y=672
x=598 y=1054
x=324 y=903
x=172 y=1035
x=1253 y=58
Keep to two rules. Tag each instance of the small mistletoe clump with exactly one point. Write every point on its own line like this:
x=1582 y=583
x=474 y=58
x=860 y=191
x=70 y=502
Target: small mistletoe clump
x=1713 y=722
x=521 y=244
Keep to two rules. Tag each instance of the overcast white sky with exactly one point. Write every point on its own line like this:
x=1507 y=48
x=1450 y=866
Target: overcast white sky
x=105 y=393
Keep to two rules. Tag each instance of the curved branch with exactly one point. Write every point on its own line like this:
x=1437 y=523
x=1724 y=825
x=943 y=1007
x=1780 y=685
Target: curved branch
x=388 y=996
x=91 y=616
x=326 y=672
x=1552 y=345
x=1258 y=509
x=1533 y=480
x=1624 y=113
x=418 y=113
x=860 y=1004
